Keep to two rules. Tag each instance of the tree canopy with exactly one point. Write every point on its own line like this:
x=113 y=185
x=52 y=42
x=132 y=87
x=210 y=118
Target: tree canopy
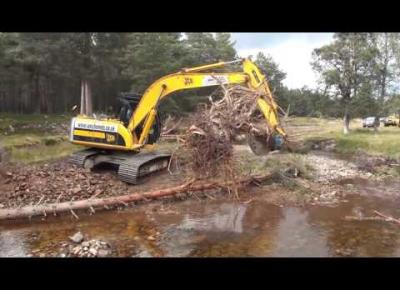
x=42 y=72
x=359 y=69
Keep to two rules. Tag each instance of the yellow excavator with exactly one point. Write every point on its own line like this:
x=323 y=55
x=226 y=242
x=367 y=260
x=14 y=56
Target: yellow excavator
x=119 y=141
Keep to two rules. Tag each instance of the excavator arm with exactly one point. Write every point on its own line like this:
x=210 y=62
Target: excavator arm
x=195 y=77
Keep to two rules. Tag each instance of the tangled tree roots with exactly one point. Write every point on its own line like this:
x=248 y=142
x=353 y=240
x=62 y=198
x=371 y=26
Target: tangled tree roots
x=209 y=150
x=209 y=141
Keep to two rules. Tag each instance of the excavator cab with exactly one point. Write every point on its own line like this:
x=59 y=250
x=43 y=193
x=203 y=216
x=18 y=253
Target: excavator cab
x=128 y=103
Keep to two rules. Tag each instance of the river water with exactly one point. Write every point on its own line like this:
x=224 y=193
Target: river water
x=222 y=227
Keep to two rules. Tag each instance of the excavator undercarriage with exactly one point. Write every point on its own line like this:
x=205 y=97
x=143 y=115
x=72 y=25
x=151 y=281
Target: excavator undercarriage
x=131 y=166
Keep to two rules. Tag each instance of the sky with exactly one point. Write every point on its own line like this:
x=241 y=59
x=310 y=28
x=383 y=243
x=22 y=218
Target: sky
x=292 y=52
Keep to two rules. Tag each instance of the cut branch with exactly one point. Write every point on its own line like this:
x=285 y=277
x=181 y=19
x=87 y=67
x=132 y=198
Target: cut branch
x=388 y=218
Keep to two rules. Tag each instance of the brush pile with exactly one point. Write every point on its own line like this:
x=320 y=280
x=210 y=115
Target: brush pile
x=209 y=141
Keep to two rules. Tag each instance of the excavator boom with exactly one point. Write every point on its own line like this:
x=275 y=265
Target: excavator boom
x=193 y=78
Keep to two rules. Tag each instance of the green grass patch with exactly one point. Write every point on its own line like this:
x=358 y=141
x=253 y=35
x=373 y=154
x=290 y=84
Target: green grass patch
x=248 y=163
x=287 y=163
x=42 y=152
x=384 y=142
x=29 y=123
x=28 y=140
x=279 y=164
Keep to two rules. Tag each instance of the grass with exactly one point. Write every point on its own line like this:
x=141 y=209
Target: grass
x=384 y=142
x=18 y=122
x=42 y=152
x=274 y=163
x=30 y=139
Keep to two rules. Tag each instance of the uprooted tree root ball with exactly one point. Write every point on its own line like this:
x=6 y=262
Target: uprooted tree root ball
x=209 y=150
x=209 y=141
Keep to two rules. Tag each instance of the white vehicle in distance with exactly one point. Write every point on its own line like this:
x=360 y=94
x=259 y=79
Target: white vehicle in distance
x=370 y=122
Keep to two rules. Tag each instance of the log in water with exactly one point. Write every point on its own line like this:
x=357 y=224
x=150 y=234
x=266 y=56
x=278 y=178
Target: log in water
x=191 y=186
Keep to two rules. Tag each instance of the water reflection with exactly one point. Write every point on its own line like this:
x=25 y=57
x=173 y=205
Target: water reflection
x=298 y=237
x=366 y=238
x=228 y=218
x=12 y=244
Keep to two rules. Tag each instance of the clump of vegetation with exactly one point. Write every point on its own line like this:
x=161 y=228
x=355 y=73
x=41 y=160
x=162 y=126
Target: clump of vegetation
x=290 y=165
x=53 y=140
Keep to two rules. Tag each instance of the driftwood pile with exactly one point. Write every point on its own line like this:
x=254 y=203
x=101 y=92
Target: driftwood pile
x=209 y=141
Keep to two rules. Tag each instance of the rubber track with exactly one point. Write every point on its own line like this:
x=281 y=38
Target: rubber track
x=129 y=165
x=129 y=170
x=78 y=158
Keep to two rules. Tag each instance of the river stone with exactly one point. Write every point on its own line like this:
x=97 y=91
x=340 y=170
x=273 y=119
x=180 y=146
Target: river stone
x=93 y=251
x=103 y=253
x=86 y=244
x=143 y=254
x=77 y=237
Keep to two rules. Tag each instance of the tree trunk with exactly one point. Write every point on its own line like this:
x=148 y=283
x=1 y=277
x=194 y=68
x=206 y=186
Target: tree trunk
x=83 y=99
x=346 y=120
x=86 y=98
x=30 y=211
x=385 y=69
x=88 y=95
x=37 y=94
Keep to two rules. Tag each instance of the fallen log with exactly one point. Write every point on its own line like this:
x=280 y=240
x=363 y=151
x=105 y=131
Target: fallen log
x=39 y=210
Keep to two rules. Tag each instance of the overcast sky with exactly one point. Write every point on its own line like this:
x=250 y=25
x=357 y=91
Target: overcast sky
x=292 y=51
